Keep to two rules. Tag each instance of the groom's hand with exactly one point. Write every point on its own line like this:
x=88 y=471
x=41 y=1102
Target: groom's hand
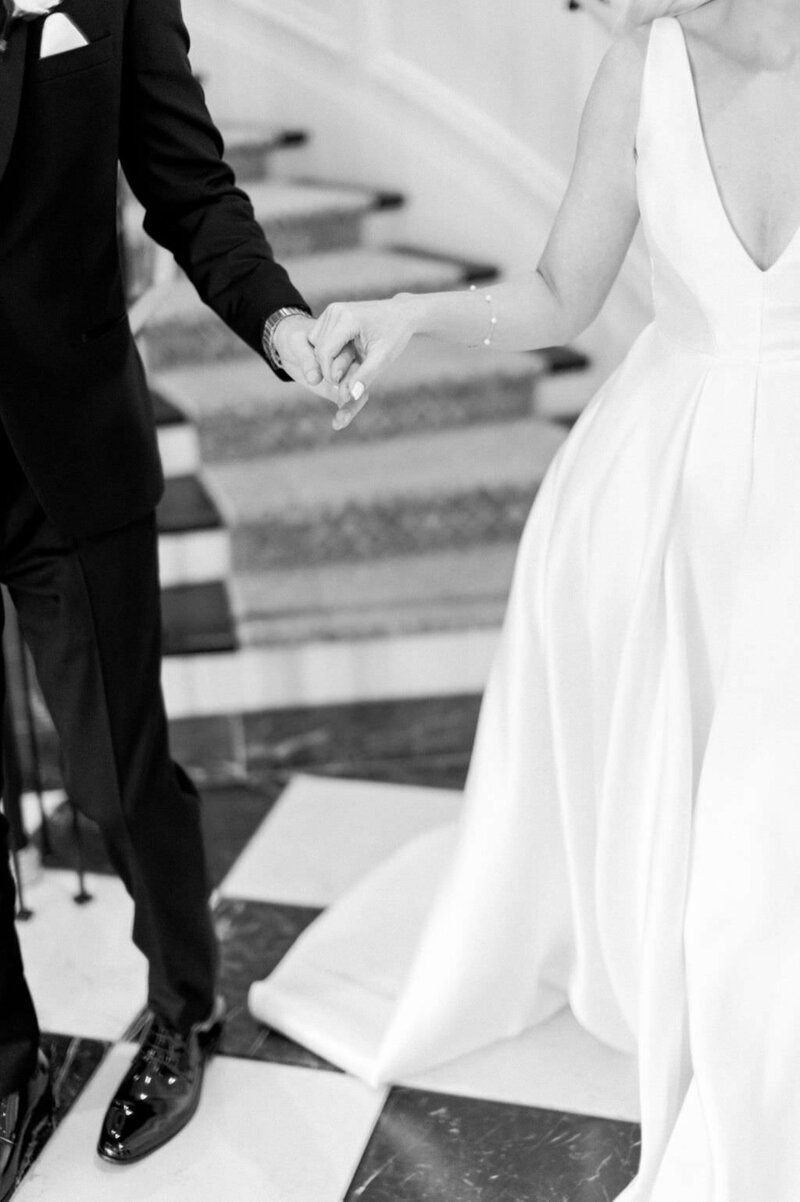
x=299 y=359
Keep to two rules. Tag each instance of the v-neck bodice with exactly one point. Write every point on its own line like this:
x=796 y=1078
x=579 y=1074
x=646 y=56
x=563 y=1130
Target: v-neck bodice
x=710 y=295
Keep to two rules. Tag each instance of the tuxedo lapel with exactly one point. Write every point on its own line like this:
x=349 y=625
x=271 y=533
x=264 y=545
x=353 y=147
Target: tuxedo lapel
x=12 y=72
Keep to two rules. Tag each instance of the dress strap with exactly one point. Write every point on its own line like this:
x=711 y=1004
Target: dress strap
x=662 y=120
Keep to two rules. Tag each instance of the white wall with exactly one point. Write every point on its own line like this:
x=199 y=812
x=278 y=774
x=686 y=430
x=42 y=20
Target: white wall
x=470 y=107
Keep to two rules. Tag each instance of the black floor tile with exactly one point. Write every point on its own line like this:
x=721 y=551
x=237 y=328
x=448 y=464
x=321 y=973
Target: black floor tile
x=424 y=742
x=437 y=772
x=211 y=749
x=231 y=815
x=420 y=742
x=431 y=1147
x=254 y=937
x=72 y=1062
x=69 y=839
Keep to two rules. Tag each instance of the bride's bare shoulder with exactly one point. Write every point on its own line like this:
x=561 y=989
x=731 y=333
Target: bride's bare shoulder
x=626 y=56
x=619 y=79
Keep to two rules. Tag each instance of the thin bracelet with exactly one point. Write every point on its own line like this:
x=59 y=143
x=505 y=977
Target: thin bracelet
x=493 y=318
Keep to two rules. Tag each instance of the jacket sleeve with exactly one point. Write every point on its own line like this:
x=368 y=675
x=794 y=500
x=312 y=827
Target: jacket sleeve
x=171 y=153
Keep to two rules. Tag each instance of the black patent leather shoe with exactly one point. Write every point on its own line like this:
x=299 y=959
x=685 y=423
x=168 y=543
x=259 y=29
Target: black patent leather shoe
x=161 y=1090
x=26 y=1119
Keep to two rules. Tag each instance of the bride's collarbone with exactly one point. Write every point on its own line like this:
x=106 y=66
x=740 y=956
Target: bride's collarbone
x=750 y=127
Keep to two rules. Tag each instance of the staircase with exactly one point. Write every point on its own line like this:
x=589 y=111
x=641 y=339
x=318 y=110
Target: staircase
x=302 y=567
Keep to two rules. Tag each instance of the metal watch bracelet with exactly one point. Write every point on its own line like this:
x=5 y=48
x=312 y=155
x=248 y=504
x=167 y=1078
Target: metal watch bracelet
x=270 y=326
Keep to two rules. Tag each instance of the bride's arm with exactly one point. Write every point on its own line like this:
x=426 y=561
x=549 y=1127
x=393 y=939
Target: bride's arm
x=548 y=306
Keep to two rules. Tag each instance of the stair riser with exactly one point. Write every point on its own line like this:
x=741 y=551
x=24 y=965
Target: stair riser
x=194 y=557
x=353 y=534
x=250 y=163
x=179 y=448
x=306 y=424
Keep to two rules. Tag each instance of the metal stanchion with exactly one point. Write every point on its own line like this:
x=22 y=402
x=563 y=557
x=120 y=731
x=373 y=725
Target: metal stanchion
x=12 y=804
x=23 y=696
x=83 y=895
x=34 y=757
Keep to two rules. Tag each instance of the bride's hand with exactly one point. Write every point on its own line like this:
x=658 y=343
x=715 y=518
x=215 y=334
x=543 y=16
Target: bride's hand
x=379 y=331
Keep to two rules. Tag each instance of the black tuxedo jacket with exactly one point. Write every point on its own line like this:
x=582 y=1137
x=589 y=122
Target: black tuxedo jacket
x=73 y=398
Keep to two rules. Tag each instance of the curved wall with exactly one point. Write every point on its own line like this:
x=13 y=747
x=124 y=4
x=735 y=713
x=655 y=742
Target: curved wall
x=470 y=108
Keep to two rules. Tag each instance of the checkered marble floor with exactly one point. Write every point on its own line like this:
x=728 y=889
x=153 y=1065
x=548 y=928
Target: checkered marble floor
x=547 y=1119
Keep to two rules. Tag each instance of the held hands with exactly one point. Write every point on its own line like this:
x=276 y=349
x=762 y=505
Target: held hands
x=354 y=343
x=339 y=355
x=297 y=355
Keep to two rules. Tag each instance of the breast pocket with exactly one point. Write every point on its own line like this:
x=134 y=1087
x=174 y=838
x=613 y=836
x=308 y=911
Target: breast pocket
x=56 y=66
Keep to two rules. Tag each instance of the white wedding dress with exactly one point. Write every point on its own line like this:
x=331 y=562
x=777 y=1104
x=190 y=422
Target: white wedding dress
x=630 y=843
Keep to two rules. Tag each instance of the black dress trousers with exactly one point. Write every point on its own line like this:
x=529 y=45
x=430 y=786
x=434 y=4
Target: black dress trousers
x=89 y=611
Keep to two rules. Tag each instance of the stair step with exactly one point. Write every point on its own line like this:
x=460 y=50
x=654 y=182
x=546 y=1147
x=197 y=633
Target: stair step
x=165 y=412
x=406 y=495
x=242 y=411
x=193 y=545
x=184 y=330
x=298 y=219
x=448 y=590
x=178 y=440
x=564 y=359
x=472 y=271
x=385 y=199
x=256 y=680
x=197 y=619
x=186 y=506
x=179 y=448
x=194 y=557
x=247 y=148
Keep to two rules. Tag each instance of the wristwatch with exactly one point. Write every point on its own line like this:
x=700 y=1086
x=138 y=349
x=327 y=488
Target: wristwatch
x=271 y=325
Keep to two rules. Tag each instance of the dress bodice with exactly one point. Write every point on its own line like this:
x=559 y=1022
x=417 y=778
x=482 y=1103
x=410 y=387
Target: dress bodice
x=709 y=294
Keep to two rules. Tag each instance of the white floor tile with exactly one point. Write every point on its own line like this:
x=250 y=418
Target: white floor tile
x=324 y=835
x=556 y=1066
x=32 y=808
x=264 y=1133
x=86 y=976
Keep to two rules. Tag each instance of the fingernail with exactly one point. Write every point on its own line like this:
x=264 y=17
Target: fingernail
x=358 y=390
x=313 y=377
x=342 y=420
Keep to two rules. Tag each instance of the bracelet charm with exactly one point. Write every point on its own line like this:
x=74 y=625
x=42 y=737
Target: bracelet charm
x=489 y=300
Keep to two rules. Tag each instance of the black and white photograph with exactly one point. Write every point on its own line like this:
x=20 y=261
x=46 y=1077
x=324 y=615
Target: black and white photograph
x=400 y=600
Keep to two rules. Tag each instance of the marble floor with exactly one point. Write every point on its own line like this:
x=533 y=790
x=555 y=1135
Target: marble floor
x=549 y=1118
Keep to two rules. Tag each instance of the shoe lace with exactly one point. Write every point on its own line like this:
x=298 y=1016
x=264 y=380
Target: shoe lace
x=163 y=1048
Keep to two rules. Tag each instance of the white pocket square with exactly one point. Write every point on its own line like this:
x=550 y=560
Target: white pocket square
x=60 y=34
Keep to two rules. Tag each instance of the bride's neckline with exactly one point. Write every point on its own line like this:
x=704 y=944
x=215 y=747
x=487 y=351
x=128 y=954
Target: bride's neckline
x=737 y=236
